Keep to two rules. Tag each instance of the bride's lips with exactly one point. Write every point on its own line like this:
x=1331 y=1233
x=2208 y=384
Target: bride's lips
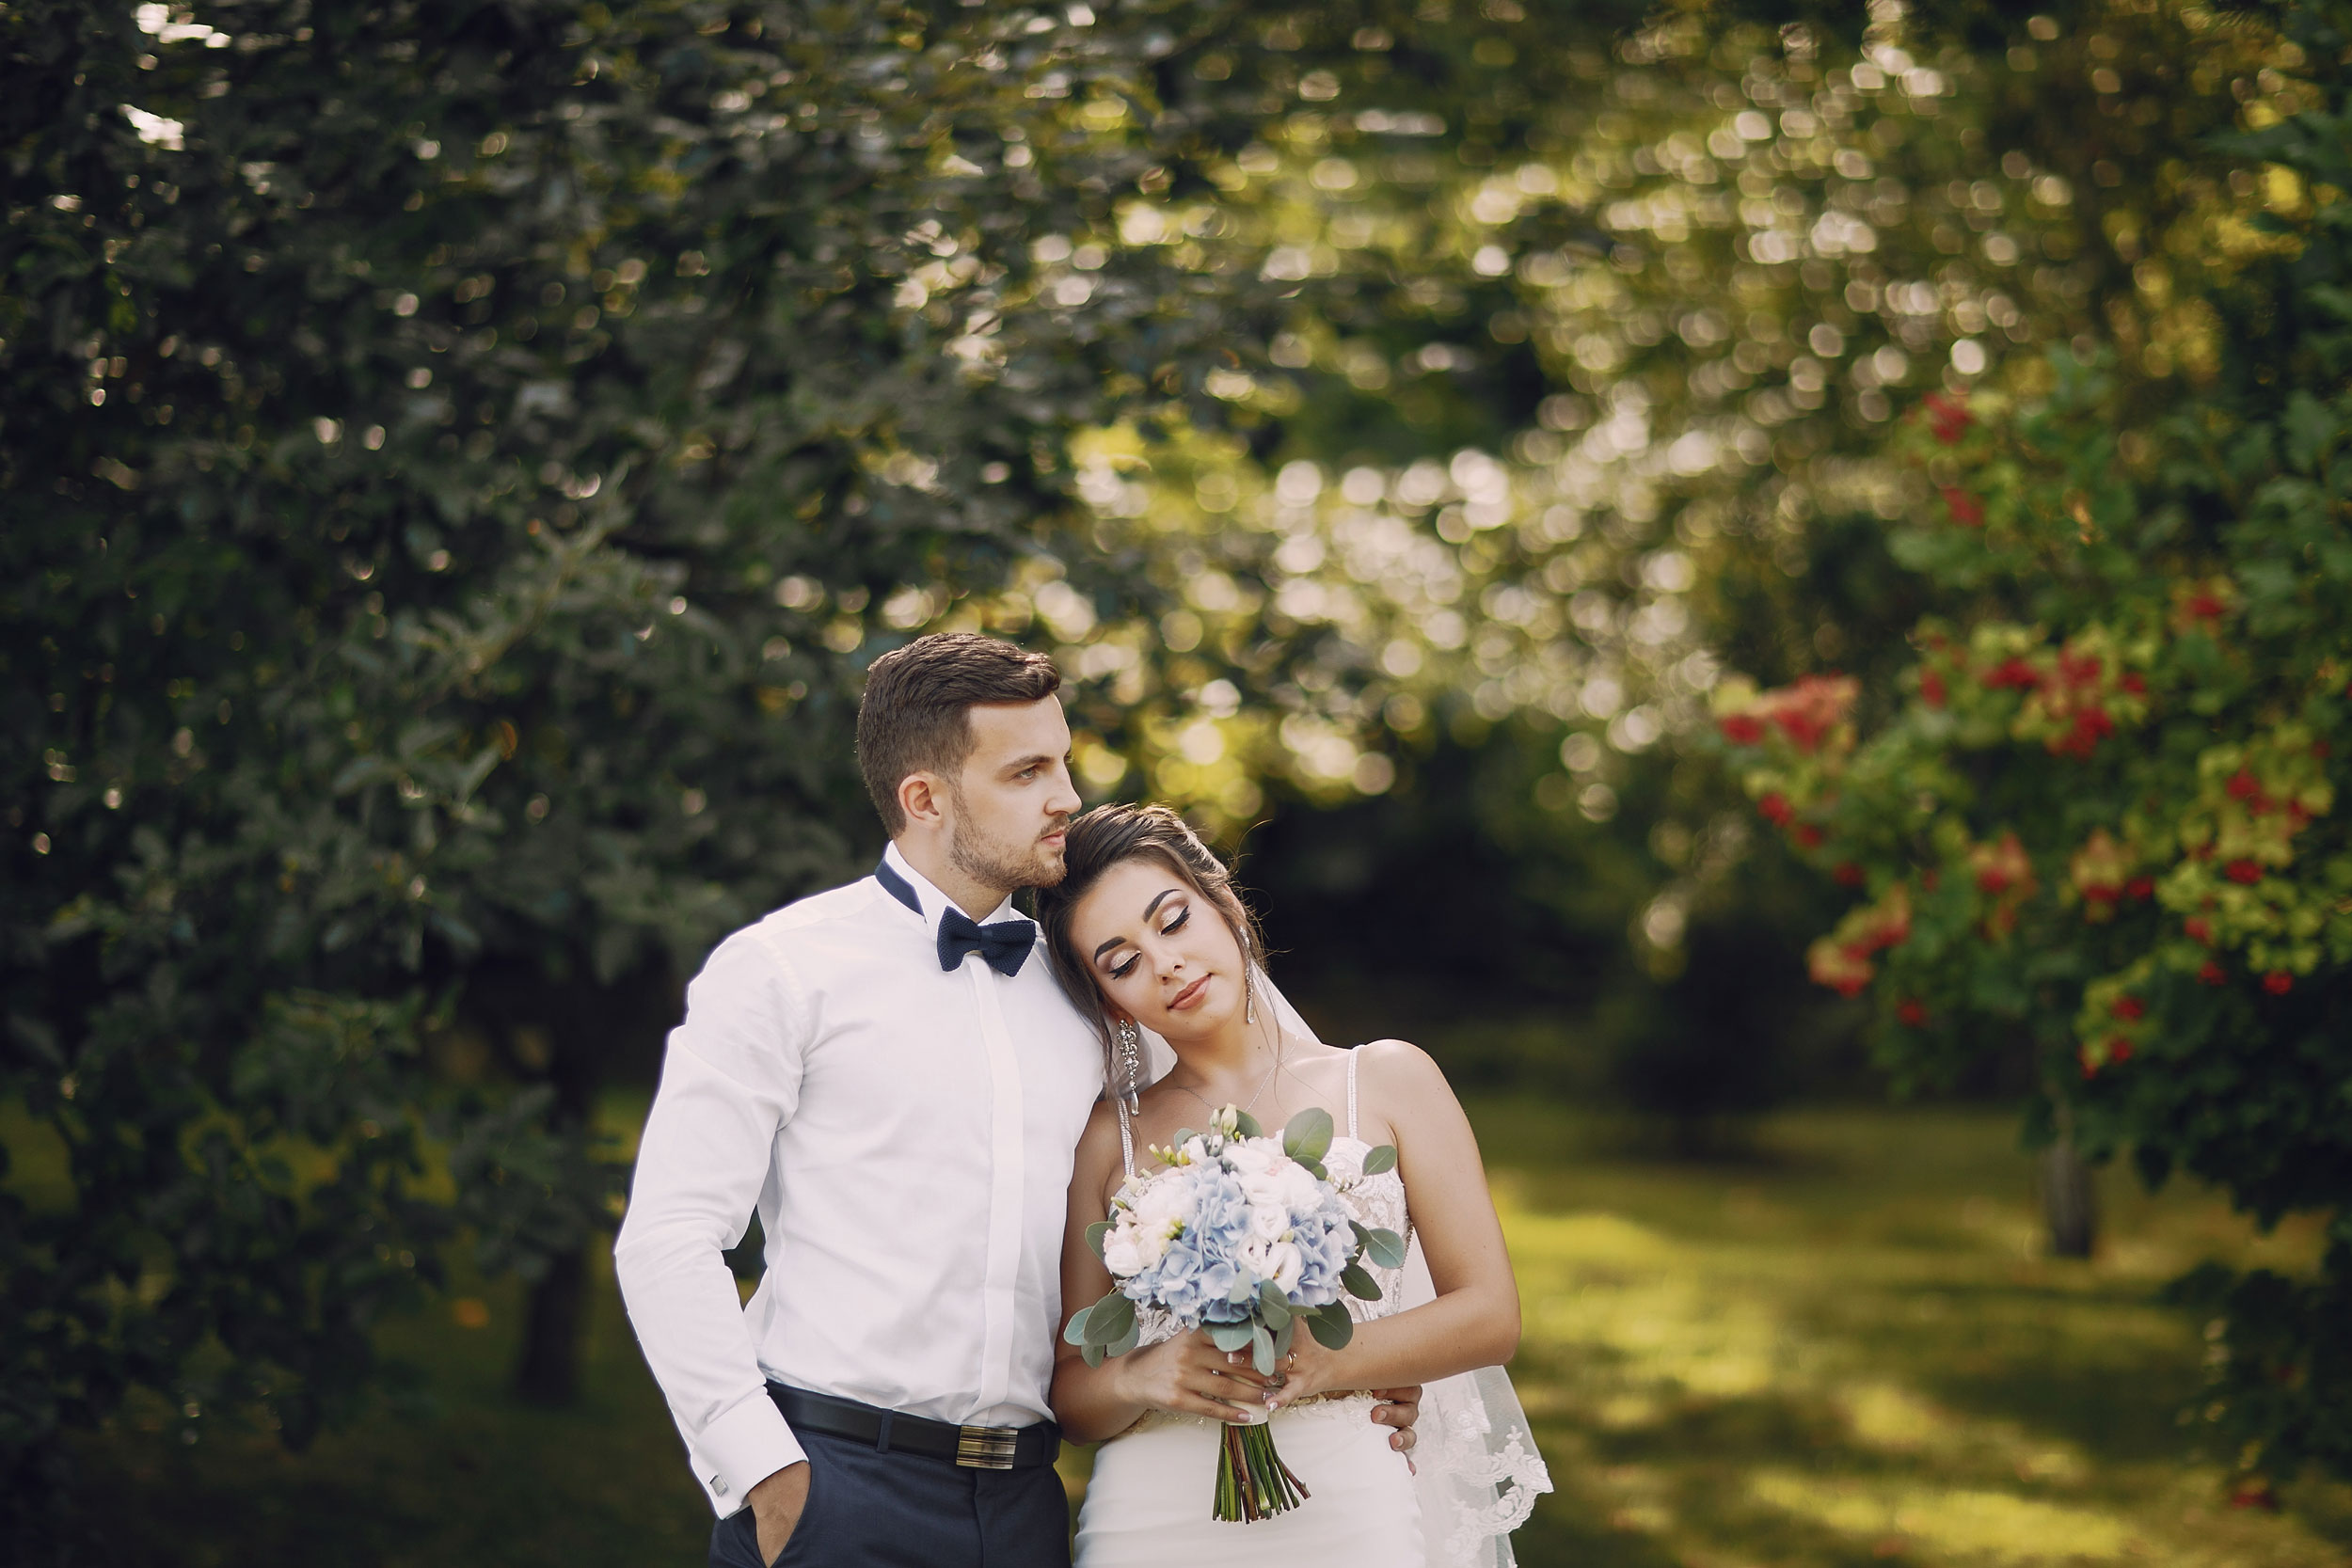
x=1188 y=998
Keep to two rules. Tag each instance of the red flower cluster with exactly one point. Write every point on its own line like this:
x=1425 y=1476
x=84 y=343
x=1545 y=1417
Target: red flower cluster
x=2013 y=672
x=2002 y=866
x=2118 y=1051
x=1841 y=960
x=1966 y=509
x=1741 y=728
x=2071 y=691
x=2098 y=870
x=1910 y=1012
x=1806 y=712
x=2278 y=982
x=1948 y=419
x=2199 y=607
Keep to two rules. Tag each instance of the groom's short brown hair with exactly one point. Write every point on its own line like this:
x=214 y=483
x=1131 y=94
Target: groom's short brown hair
x=913 y=718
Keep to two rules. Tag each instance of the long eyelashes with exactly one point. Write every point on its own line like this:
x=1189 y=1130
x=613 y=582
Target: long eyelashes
x=1183 y=918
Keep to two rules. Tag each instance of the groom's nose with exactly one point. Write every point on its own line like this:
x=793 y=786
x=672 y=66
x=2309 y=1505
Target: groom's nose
x=1064 y=800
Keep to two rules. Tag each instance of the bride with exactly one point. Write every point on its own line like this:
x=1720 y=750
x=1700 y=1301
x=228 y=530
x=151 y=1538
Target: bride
x=1146 y=933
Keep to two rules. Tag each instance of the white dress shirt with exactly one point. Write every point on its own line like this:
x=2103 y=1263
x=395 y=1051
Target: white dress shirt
x=906 y=1135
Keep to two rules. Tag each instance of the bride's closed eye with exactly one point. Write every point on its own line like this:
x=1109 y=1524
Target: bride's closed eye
x=1176 y=922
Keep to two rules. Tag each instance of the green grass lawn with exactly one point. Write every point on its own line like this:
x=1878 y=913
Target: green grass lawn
x=1844 y=1350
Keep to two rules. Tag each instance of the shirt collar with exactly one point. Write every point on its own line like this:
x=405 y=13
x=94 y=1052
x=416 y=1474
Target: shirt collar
x=935 y=903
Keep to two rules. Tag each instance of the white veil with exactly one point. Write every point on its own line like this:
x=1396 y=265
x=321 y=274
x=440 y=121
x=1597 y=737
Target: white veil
x=1477 y=1468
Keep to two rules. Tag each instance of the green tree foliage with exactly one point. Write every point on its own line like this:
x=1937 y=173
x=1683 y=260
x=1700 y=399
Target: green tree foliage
x=457 y=459
x=2096 y=814
x=1585 y=392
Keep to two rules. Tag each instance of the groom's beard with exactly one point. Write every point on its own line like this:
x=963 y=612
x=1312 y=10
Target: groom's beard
x=993 y=862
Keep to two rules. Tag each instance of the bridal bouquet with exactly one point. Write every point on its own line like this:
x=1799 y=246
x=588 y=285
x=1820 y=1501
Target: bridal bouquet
x=1245 y=1236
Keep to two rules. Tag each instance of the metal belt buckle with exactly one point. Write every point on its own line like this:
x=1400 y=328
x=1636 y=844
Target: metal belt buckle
x=986 y=1448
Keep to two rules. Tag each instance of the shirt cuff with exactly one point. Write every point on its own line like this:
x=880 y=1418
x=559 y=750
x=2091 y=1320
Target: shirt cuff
x=741 y=1449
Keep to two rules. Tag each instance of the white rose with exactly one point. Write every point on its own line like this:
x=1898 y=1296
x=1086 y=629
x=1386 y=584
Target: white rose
x=1122 y=1250
x=1284 y=1264
x=1301 y=1193
x=1251 y=1156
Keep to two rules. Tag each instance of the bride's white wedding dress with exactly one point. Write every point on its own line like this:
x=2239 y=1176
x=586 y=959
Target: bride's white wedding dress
x=1149 y=1500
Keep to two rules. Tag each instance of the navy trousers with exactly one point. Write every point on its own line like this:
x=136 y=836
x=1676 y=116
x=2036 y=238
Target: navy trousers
x=870 y=1509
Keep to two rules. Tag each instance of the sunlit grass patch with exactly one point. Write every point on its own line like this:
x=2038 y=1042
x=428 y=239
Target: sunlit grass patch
x=1849 y=1349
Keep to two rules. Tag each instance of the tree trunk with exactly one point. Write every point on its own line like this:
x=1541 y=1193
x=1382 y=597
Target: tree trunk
x=547 y=1372
x=2069 y=1201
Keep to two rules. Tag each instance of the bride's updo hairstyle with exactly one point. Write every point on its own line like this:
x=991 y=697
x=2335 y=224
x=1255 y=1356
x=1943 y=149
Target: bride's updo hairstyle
x=1113 y=836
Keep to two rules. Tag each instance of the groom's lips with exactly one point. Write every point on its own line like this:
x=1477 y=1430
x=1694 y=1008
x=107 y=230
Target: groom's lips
x=1188 y=996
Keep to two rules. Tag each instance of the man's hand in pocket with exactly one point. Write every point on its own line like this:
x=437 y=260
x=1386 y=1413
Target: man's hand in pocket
x=776 y=1504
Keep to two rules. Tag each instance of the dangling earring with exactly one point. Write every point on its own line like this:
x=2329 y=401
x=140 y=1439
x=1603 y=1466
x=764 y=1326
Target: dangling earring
x=1130 y=1064
x=1248 y=988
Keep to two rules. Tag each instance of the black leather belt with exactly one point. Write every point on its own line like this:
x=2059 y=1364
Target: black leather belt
x=889 y=1432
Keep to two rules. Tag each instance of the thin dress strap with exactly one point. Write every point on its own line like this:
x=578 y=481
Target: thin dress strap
x=1351 y=1093
x=1126 y=1139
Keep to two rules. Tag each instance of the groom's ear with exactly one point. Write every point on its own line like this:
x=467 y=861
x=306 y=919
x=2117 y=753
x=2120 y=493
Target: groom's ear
x=923 y=796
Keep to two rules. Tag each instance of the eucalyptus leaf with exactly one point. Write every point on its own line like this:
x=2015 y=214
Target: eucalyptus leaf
x=1095 y=1233
x=1359 y=1284
x=1380 y=1159
x=1307 y=1137
x=1111 y=1316
x=1247 y=1125
x=1126 y=1341
x=1331 y=1326
x=1386 y=1249
x=1228 y=1335
x=1262 y=1349
x=1094 y=1353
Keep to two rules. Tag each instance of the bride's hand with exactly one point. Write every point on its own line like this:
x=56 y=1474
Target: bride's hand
x=1306 y=1371
x=1191 y=1375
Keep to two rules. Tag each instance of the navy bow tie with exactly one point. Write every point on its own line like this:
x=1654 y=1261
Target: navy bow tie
x=1005 y=944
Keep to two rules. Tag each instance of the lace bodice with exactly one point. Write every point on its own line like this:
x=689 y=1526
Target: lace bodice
x=1375 y=1202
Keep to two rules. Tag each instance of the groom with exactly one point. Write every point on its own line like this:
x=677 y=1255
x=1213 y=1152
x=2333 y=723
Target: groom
x=888 y=1074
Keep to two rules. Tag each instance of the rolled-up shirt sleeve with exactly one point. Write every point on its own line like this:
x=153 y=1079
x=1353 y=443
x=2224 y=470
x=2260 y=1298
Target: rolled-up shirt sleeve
x=730 y=1081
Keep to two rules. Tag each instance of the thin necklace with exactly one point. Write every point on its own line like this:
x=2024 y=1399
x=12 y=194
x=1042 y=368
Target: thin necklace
x=1269 y=1072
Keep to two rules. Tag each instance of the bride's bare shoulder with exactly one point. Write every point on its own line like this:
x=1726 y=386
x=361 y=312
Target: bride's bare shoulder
x=1398 y=1064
